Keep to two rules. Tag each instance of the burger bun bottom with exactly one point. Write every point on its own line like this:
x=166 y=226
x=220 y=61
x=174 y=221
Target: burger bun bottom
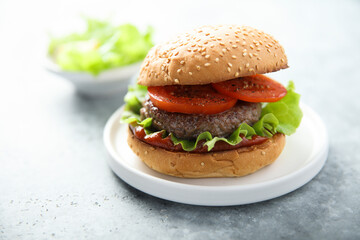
x=231 y=163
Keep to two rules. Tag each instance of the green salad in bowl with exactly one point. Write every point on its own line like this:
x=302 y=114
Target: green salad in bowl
x=100 y=47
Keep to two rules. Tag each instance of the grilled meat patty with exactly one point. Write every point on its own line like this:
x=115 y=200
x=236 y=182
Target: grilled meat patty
x=189 y=126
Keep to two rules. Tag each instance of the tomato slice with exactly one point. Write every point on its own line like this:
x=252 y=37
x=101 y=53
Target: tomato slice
x=256 y=88
x=190 y=99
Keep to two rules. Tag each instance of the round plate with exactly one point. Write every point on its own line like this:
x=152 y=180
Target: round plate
x=303 y=157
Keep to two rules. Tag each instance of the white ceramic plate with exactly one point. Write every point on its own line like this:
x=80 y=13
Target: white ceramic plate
x=303 y=157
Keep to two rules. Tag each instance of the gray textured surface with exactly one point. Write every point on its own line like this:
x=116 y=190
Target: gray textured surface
x=54 y=180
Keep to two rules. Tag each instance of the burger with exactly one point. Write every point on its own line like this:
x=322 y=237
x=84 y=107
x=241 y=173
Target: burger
x=203 y=108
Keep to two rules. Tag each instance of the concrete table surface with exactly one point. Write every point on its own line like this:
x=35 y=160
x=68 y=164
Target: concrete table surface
x=54 y=179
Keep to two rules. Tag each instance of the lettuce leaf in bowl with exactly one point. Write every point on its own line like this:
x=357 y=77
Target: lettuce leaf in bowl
x=102 y=46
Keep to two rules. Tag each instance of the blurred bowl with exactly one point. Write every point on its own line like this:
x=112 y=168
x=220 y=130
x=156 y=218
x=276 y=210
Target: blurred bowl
x=108 y=82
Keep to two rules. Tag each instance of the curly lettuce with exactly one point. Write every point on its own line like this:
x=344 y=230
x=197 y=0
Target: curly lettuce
x=283 y=116
x=101 y=46
x=287 y=111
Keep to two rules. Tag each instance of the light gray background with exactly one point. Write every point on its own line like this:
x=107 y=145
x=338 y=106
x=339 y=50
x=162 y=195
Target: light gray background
x=54 y=180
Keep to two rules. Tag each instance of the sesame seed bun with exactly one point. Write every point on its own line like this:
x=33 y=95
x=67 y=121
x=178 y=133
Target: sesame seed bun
x=232 y=163
x=212 y=54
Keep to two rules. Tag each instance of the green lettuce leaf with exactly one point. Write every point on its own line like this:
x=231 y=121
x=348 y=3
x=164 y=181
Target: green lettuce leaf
x=283 y=116
x=287 y=111
x=233 y=139
x=267 y=125
x=102 y=46
x=133 y=102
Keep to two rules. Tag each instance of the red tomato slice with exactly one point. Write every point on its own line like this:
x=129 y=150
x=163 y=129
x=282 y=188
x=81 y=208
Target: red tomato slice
x=190 y=99
x=256 y=88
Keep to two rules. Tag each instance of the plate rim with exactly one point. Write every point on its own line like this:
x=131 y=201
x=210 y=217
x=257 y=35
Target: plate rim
x=313 y=167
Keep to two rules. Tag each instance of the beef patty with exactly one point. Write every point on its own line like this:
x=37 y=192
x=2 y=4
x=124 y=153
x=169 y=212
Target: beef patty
x=189 y=126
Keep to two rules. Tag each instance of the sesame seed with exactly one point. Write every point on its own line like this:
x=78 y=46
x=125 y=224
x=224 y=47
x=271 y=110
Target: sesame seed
x=221 y=54
x=190 y=73
x=250 y=55
x=219 y=38
x=177 y=53
x=259 y=58
x=189 y=49
x=251 y=70
x=237 y=74
x=251 y=46
x=212 y=45
x=216 y=59
x=207 y=34
x=282 y=60
x=207 y=64
x=234 y=46
x=258 y=49
x=222 y=44
x=256 y=67
x=244 y=50
x=229 y=64
x=198 y=68
x=229 y=69
x=240 y=69
x=203 y=53
x=247 y=65
x=176 y=80
x=207 y=56
x=179 y=70
x=268 y=50
x=233 y=56
x=243 y=43
x=202 y=163
x=195 y=49
x=263 y=153
x=244 y=54
x=224 y=50
x=193 y=45
x=182 y=62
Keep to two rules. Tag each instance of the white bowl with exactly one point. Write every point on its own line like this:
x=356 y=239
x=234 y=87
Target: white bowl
x=106 y=83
